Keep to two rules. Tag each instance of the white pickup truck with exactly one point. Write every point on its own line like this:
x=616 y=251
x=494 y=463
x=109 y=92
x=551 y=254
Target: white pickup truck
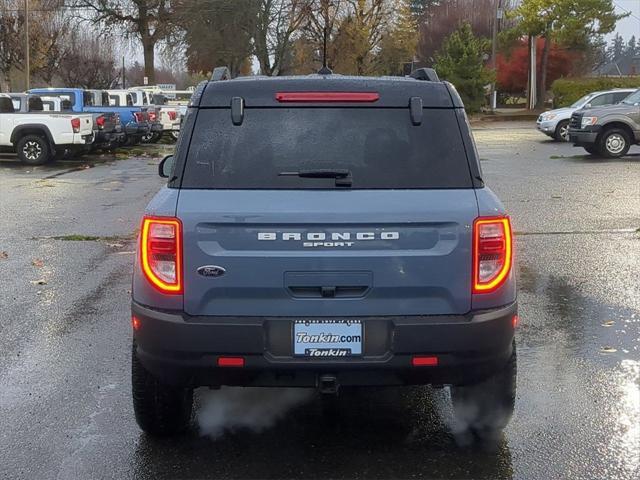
x=168 y=116
x=36 y=137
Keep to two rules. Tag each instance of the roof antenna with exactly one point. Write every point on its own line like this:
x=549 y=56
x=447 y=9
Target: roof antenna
x=324 y=70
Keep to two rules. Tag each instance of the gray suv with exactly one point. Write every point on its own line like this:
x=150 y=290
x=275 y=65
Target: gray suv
x=608 y=131
x=324 y=231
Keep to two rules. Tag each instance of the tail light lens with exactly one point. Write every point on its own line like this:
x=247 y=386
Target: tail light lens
x=138 y=116
x=152 y=116
x=173 y=114
x=100 y=121
x=75 y=124
x=492 y=253
x=161 y=253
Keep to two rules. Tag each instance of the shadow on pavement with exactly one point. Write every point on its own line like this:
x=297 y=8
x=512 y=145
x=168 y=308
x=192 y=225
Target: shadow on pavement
x=397 y=433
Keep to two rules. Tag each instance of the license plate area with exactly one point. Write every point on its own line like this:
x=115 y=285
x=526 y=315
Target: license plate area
x=327 y=338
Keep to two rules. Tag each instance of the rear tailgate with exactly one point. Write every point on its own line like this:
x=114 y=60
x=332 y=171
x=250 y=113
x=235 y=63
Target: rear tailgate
x=404 y=252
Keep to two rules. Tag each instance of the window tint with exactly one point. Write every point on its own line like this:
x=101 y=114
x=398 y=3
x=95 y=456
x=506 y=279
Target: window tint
x=105 y=99
x=129 y=100
x=87 y=99
x=381 y=148
x=605 y=99
x=6 y=105
x=619 y=96
x=67 y=99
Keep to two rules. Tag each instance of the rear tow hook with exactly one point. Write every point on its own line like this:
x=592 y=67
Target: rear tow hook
x=328 y=385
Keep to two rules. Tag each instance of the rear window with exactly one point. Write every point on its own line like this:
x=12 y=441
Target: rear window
x=379 y=146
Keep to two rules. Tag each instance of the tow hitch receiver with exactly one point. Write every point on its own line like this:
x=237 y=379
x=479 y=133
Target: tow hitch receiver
x=328 y=384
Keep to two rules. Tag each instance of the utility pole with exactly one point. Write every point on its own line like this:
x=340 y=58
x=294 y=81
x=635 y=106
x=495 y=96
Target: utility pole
x=26 y=47
x=124 y=80
x=532 y=72
x=494 y=48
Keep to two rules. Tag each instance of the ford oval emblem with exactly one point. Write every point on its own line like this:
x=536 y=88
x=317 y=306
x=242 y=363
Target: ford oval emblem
x=211 y=271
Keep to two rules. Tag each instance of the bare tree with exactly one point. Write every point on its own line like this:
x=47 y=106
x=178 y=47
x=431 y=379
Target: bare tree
x=11 y=22
x=149 y=21
x=88 y=62
x=277 y=22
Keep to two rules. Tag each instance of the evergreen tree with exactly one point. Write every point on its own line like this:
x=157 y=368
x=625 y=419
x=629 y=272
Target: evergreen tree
x=632 y=48
x=616 y=50
x=460 y=62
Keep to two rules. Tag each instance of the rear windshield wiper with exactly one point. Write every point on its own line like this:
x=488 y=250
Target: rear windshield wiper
x=343 y=176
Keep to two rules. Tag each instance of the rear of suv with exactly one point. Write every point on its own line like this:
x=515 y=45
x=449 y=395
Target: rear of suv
x=324 y=231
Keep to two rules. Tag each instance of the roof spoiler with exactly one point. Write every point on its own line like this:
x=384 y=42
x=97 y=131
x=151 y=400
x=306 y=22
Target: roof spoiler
x=428 y=74
x=220 y=73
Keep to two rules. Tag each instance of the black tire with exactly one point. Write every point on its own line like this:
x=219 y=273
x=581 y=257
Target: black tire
x=33 y=150
x=562 y=131
x=485 y=408
x=151 y=137
x=614 y=143
x=592 y=149
x=160 y=410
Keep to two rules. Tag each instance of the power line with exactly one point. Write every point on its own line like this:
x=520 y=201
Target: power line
x=631 y=14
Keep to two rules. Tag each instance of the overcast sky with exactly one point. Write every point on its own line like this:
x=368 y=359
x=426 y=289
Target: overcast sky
x=630 y=25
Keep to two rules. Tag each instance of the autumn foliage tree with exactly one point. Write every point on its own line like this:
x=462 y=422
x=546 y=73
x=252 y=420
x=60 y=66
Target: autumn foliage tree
x=512 y=67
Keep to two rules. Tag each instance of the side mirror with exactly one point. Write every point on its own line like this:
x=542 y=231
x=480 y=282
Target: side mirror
x=165 y=169
x=588 y=105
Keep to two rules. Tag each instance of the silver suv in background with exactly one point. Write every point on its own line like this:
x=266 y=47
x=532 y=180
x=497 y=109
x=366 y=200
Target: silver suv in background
x=608 y=131
x=555 y=123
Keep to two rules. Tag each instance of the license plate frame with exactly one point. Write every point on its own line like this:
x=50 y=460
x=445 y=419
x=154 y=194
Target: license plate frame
x=327 y=338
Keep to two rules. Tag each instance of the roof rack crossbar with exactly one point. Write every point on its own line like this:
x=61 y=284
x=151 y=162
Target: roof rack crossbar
x=428 y=74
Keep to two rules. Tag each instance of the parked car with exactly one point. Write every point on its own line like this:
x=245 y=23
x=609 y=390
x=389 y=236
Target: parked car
x=37 y=137
x=337 y=234
x=107 y=130
x=134 y=120
x=168 y=116
x=608 y=131
x=555 y=123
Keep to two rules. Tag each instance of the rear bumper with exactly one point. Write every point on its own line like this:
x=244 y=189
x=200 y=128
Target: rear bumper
x=102 y=136
x=183 y=350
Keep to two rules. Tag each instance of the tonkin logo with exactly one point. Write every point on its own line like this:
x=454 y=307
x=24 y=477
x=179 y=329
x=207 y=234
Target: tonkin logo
x=323 y=239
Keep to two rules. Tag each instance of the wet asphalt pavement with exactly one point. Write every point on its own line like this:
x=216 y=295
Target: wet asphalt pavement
x=65 y=409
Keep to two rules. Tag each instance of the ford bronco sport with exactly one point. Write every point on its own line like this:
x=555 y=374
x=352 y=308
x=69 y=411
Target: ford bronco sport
x=324 y=231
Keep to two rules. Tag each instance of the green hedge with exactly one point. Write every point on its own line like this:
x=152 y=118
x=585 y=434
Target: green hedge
x=568 y=90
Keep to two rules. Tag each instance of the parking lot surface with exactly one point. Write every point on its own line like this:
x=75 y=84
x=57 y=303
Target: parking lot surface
x=66 y=250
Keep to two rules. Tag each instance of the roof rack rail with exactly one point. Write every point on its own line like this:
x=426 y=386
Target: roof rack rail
x=428 y=74
x=220 y=73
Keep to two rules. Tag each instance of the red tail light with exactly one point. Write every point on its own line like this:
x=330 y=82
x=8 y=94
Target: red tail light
x=139 y=116
x=100 y=121
x=230 y=362
x=328 y=97
x=492 y=253
x=152 y=116
x=173 y=114
x=161 y=253
x=419 y=361
x=75 y=124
